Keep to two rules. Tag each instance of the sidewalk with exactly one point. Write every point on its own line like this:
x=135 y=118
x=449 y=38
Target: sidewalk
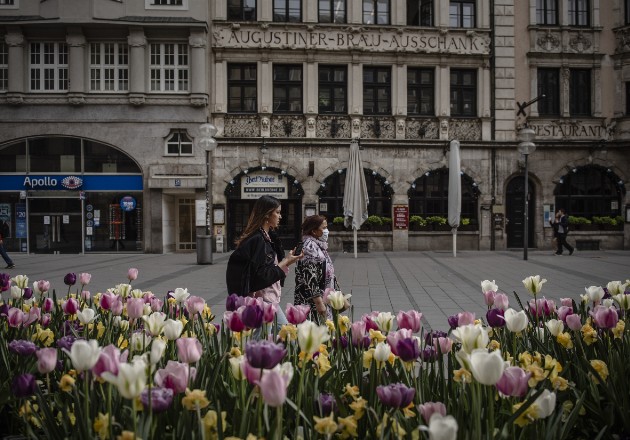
x=434 y=283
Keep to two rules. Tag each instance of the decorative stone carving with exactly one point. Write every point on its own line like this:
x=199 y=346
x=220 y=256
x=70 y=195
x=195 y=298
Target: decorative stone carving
x=75 y=39
x=548 y=41
x=356 y=124
x=137 y=99
x=400 y=126
x=623 y=41
x=465 y=129
x=198 y=100
x=288 y=126
x=378 y=127
x=265 y=123
x=422 y=129
x=242 y=126
x=136 y=40
x=580 y=43
x=310 y=124
x=197 y=41
x=15 y=99
x=14 y=39
x=76 y=99
x=333 y=127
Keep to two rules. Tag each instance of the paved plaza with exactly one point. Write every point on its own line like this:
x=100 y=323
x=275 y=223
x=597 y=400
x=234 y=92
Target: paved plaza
x=434 y=283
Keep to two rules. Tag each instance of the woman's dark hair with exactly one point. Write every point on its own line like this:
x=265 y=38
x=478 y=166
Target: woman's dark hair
x=312 y=223
x=263 y=208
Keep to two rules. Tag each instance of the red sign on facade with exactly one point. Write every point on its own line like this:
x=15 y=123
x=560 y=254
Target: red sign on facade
x=401 y=216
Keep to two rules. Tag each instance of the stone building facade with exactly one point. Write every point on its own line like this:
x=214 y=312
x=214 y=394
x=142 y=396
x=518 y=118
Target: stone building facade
x=289 y=84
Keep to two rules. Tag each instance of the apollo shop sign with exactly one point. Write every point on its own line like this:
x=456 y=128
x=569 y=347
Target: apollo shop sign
x=56 y=182
x=49 y=182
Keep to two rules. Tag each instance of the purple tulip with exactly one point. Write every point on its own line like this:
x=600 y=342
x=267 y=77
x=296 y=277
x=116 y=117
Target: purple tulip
x=394 y=337
x=445 y=344
x=429 y=354
x=28 y=293
x=410 y=320
x=568 y=302
x=4 y=310
x=5 y=282
x=489 y=297
x=175 y=376
x=233 y=302
x=66 y=342
x=22 y=347
x=395 y=395
x=45 y=321
x=452 y=321
x=70 y=307
x=495 y=318
x=427 y=409
x=563 y=312
x=358 y=332
x=46 y=360
x=269 y=312
x=264 y=354
x=344 y=342
x=161 y=399
x=70 y=279
x=48 y=305
x=195 y=304
x=408 y=349
x=605 y=317
x=326 y=404
x=23 y=385
x=252 y=316
x=369 y=321
x=542 y=307
x=233 y=321
x=433 y=335
x=513 y=382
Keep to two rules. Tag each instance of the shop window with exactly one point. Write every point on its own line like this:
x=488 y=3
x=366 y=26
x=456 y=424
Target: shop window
x=580 y=92
x=169 y=67
x=590 y=191
x=462 y=14
x=105 y=159
x=9 y=4
x=428 y=195
x=242 y=88
x=549 y=85
x=242 y=10
x=116 y=221
x=547 y=12
x=332 y=189
x=627 y=11
x=579 y=12
x=179 y=144
x=13 y=158
x=332 y=89
x=332 y=11
x=627 y=98
x=287 y=89
x=48 y=67
x=420 y=12
x=377 y=90
x=287 y=11
x=420 y=91
x=463 y=92
x=166 y=4
x=375 y=11
x=54 y=154
x=4 y=67
x=109 y=67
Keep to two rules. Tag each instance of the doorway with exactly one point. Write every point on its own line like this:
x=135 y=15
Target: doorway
x=55 y=226
x=515 y=212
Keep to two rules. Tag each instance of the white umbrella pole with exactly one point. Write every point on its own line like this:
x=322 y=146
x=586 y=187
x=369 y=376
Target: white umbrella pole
x=454 y=242
x=355 y=242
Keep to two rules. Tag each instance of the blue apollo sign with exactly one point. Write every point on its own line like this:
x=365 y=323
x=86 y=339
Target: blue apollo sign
x=84 y=182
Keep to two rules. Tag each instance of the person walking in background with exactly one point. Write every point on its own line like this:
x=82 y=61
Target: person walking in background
x=562 y=221
x=258 y=266
x=554 y=222
x=4 y=234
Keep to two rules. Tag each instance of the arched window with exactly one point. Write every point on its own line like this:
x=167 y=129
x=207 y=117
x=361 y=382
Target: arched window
x=179 y=144
x=589 y=191
x=332 y=189
x=428 y=195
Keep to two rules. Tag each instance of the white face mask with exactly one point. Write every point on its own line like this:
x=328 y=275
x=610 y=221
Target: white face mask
x=324 y=236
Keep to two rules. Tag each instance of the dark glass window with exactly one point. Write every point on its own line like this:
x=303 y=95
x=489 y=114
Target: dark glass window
x=101 y=158
x=462 y=14
x=547 y=12
x=55 y=154
x=13 y=158
x=549 y=85
x=332 y=190
x=463 y=92
x=420 y=91
x=428 y=195
x=242 y=10
x=242 y=88
x=333 y=84
x=627 y=98
x=627 y=11
x=580 y=92
x=332 y=11
x=168 y=2
x=420 y=12
x=287 y=11
x=590 y=191
x=287 y=89
x=579 y=12
x=179 y=144
x=377 y=90
x=376 y=11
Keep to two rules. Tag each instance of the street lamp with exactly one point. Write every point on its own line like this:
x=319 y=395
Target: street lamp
x=207 y=141
x=526 y=147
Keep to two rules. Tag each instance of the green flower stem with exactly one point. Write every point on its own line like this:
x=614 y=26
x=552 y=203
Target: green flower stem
x=200 y=421
x=278 y=434
x=86 y=386
x=298 y=401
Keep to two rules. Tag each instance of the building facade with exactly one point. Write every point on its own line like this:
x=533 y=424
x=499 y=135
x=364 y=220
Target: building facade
x=288 y=84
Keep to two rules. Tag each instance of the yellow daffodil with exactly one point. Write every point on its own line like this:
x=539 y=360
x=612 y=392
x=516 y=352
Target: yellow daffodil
x=553 y=366
x=211 y=329
x=101 y=425
x=538 y=375
x=122 y=342
x=526 y=417
x=462 y=375
x=358 y=406
x=128 y=435
x=376 y=336
x=618 y=330
x=323 y=349
x=352 y=391
x=325 y=425
x=525 y=359
x=348 y=426
x=494 y=345
x=397 y=430
x=565 y=340
x=288 y=333
x=344 y=323
x=195 y=399
x=408 y=411
x=45 y=337
x=66 y=383
x=330 y=325
x=172 y=301
x=207 y=312
x=211 y=422
x=601 y=368
x=100 y=328
x=235 y=352
x=323 y=364
x=589 y=334
x=559 y=383
x=368 y=356
x=537 y=358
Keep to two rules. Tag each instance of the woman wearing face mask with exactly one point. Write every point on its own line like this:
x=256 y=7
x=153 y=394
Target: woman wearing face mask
x=315 y=272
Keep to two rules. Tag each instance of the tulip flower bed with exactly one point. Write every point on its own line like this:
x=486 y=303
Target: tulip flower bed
x=124 y=363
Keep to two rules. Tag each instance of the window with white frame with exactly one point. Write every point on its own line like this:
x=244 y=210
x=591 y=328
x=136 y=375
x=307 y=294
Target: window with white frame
x=462 y=14
x=166 y=4
x=169 y=67
x=4 y=67
x=9 y=4
x=579 y=12
x=48 y=67
x=547 y=12
x=179 y=144
x=109 y=67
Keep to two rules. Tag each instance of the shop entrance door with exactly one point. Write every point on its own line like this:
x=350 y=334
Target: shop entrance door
x=55 y=226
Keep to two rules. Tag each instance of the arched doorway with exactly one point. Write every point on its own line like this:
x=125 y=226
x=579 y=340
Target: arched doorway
x=515 y=212
x=243 y=191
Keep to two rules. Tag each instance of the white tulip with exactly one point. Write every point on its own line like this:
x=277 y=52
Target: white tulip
x=286 y=370
x=154 y=323
x=382 y=352
x=139 y=341
x=442 y=427
x=471 y=336
x=555 y=326
x=86 y=315
x=489 y=286
x=123 y=290
x=534 y=284
x=384 y=321
x=337 y=299
x=136 y=293
x=158 y=348
x=236 y=367
x=595 y=293
x=515 y=321
x=21 y=281
x=623 y=300
x=131 y=379
x=172 y=329
x=545 y=403
x=616 y=287
x=84 y=354
x=486 y=368
x=16 y=292
x=585 y=298
x=181 y=295
x=540 y=333
x=310 y=336
x=608 y=302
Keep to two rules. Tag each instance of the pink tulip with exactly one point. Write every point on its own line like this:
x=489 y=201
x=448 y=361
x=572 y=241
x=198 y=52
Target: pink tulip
x=269 y=312
x=445 y=344
x=358 y=332
x=46 y=360
x=15 y=317
x=48 y=305
x=33 y=315
x=370 y=324
x=195 y=304
x=574 y=322
x=297 y=314
x=427 y=409
x=568 y=302
x=45 y=320
x=188 y=350
x=394 y=337
x=132 y=274
x=175 y=376
x=156 y=304
x=489 y=297
x=409 y=320
x=108 y=361
x=70 y=307
x=563 y=312
x=135 y=308
x=84 y=278
x=465 y=318
x=605 y=317
x=232 y=320
x=85 y=295
x=43 y=286
x=252 y=374
x=273 y=387
x=513 y=382
x=542 y=306
x=117 y=306
x=148 y=296
x=501 y=301
x=107 y=299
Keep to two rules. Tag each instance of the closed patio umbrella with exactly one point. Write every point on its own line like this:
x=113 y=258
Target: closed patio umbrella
x=355 y=196
x=454 y=191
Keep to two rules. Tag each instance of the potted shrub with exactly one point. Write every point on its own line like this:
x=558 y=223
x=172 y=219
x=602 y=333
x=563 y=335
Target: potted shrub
x=337 y=224
x=467 y=224
x=581 y=224
x=375 y=223
x=417 y=223
x=606 y=223
x=439 y=223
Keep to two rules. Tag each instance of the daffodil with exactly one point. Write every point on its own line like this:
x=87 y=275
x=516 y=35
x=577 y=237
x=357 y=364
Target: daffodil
x=325 y=425
x=195 y=399
x=602 y=370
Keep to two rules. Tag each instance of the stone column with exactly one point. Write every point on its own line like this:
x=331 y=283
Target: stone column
x=137 y=44
x=265 y=10
x=309 y=11
x=198 y=70
x=76 y=65
x=310 y=102
x=15 y=40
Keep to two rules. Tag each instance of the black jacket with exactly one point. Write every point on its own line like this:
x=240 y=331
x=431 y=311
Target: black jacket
x=252 y=267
